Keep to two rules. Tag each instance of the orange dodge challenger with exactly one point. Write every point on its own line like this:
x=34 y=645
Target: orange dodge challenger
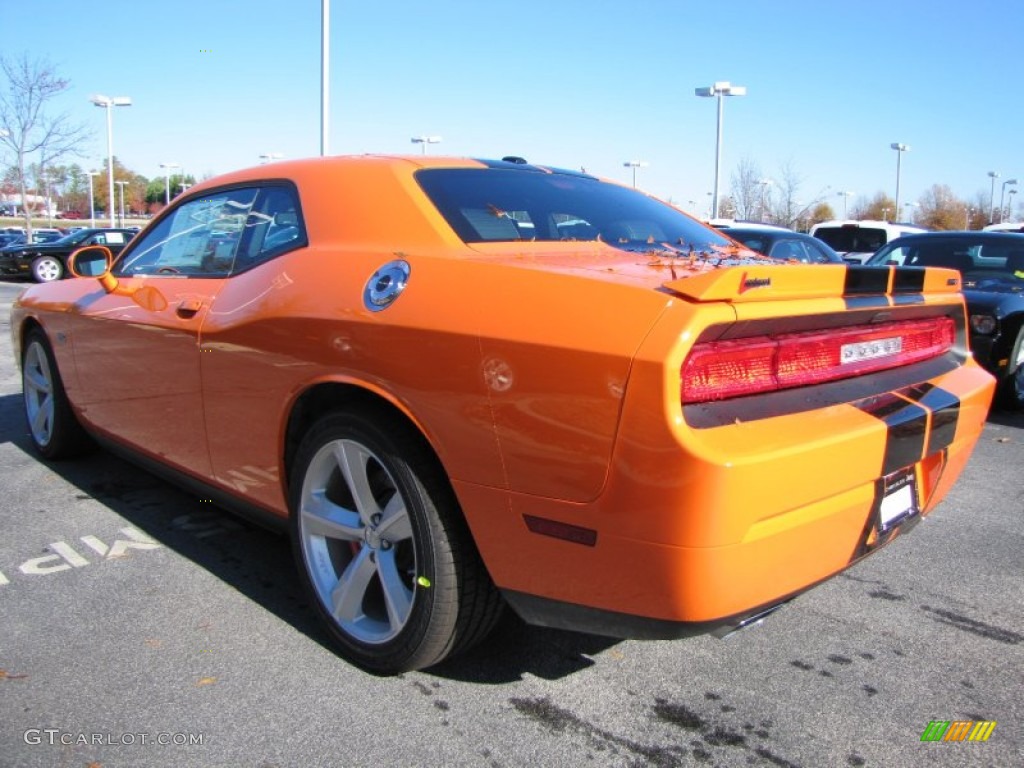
x=464 y=384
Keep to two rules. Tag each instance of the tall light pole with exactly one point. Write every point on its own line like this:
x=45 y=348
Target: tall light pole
x=992 y=197
x=719 y=89
x=109 y=103
x=325 y=75
x=266 y=157
x=846 y=197
x=1009 y=207
x=900 y=149
x=120 y=188
x=1002 y=195
x=167 y=181
x=424 y=140
x=634 y=164
x=911 y=206
x=92 y=207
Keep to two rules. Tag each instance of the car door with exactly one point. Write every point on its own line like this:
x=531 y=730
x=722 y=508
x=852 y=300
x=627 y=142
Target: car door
x=136 y=349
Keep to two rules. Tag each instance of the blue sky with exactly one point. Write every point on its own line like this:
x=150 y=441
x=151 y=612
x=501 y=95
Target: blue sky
x=562 y=82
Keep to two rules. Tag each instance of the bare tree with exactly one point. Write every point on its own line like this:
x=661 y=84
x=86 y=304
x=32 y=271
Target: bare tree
x=27 y=129
x=745 y=191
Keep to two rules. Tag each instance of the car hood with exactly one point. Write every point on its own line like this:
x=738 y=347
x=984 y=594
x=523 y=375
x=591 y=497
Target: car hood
x=37 y=248
x=994 y=296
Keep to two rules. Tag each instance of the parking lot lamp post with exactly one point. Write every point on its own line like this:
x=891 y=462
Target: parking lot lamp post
x=1009 y=207
x=325 y=73
x=634 y=164
x=1002 y=195
x=719 y=90
x=266 y=157
x=120 y=188
x=846 y=198
x=167 y=181
x=992 y=197
x=92 y=206
x=900 y=149
x=424 y=140
x=109 y=103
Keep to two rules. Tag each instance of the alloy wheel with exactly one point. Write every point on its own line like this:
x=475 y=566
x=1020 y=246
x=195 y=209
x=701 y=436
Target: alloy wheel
x=358 y=541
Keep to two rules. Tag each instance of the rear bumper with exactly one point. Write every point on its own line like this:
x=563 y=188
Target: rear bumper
x=700 y=526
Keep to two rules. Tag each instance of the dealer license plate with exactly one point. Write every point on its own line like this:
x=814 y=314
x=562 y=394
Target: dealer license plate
x=899 y=500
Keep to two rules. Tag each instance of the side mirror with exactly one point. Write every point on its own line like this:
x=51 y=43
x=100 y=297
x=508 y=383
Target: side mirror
x=94 y=261
x=90 y=261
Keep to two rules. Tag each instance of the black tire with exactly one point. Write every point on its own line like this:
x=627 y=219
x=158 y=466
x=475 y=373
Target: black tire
x=1011 y=388
x=384 y=540
x=46 y=269
x=52 y=424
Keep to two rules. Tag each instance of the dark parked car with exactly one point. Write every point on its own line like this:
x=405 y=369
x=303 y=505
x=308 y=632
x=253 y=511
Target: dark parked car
x=992 y=266
x=782 y=244
x=48 y=261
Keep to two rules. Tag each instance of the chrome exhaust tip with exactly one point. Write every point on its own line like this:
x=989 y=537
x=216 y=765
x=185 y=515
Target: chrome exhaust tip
x=752 y=620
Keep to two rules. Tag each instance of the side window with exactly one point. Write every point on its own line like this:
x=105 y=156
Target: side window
x=200 y=237
x=273 y=226
x=900 y=256
x=110 y=238
x=817 y=254
x=789 y=249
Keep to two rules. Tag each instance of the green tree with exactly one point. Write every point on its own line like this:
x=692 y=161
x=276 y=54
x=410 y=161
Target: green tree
x=157 y=189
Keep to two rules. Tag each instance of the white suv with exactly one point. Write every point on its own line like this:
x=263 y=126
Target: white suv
x=855 y=241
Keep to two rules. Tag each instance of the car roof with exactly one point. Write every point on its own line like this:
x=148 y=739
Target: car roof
x=746 y=224
x=967 y=234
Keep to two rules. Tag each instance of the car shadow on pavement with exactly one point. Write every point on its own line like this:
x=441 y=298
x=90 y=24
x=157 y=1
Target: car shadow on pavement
x=258 y=563
x=1006 y=418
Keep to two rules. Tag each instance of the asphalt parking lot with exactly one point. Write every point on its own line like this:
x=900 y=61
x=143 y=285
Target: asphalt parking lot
x=143 y=627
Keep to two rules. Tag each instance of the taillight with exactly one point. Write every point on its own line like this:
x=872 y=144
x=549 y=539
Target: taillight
x=717 y=370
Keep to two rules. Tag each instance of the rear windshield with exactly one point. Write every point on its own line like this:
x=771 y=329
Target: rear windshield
x=1000 y=259
x=499 y=205
x=852 y=239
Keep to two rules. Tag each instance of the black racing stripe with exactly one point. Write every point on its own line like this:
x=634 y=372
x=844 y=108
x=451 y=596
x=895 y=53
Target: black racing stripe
x=945 y=408
x=908 y=280
x=907 y=425
x=866 y=280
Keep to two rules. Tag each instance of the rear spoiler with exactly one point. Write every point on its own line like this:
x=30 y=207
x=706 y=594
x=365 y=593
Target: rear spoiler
x=774 y=282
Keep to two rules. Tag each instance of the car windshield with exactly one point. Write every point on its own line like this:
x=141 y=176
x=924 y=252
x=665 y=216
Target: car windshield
x=1002 y=259
x=500 y=205
x=852 y=239
x=74 y=237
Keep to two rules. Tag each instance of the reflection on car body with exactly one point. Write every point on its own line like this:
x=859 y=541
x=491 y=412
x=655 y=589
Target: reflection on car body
x=641 y=428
